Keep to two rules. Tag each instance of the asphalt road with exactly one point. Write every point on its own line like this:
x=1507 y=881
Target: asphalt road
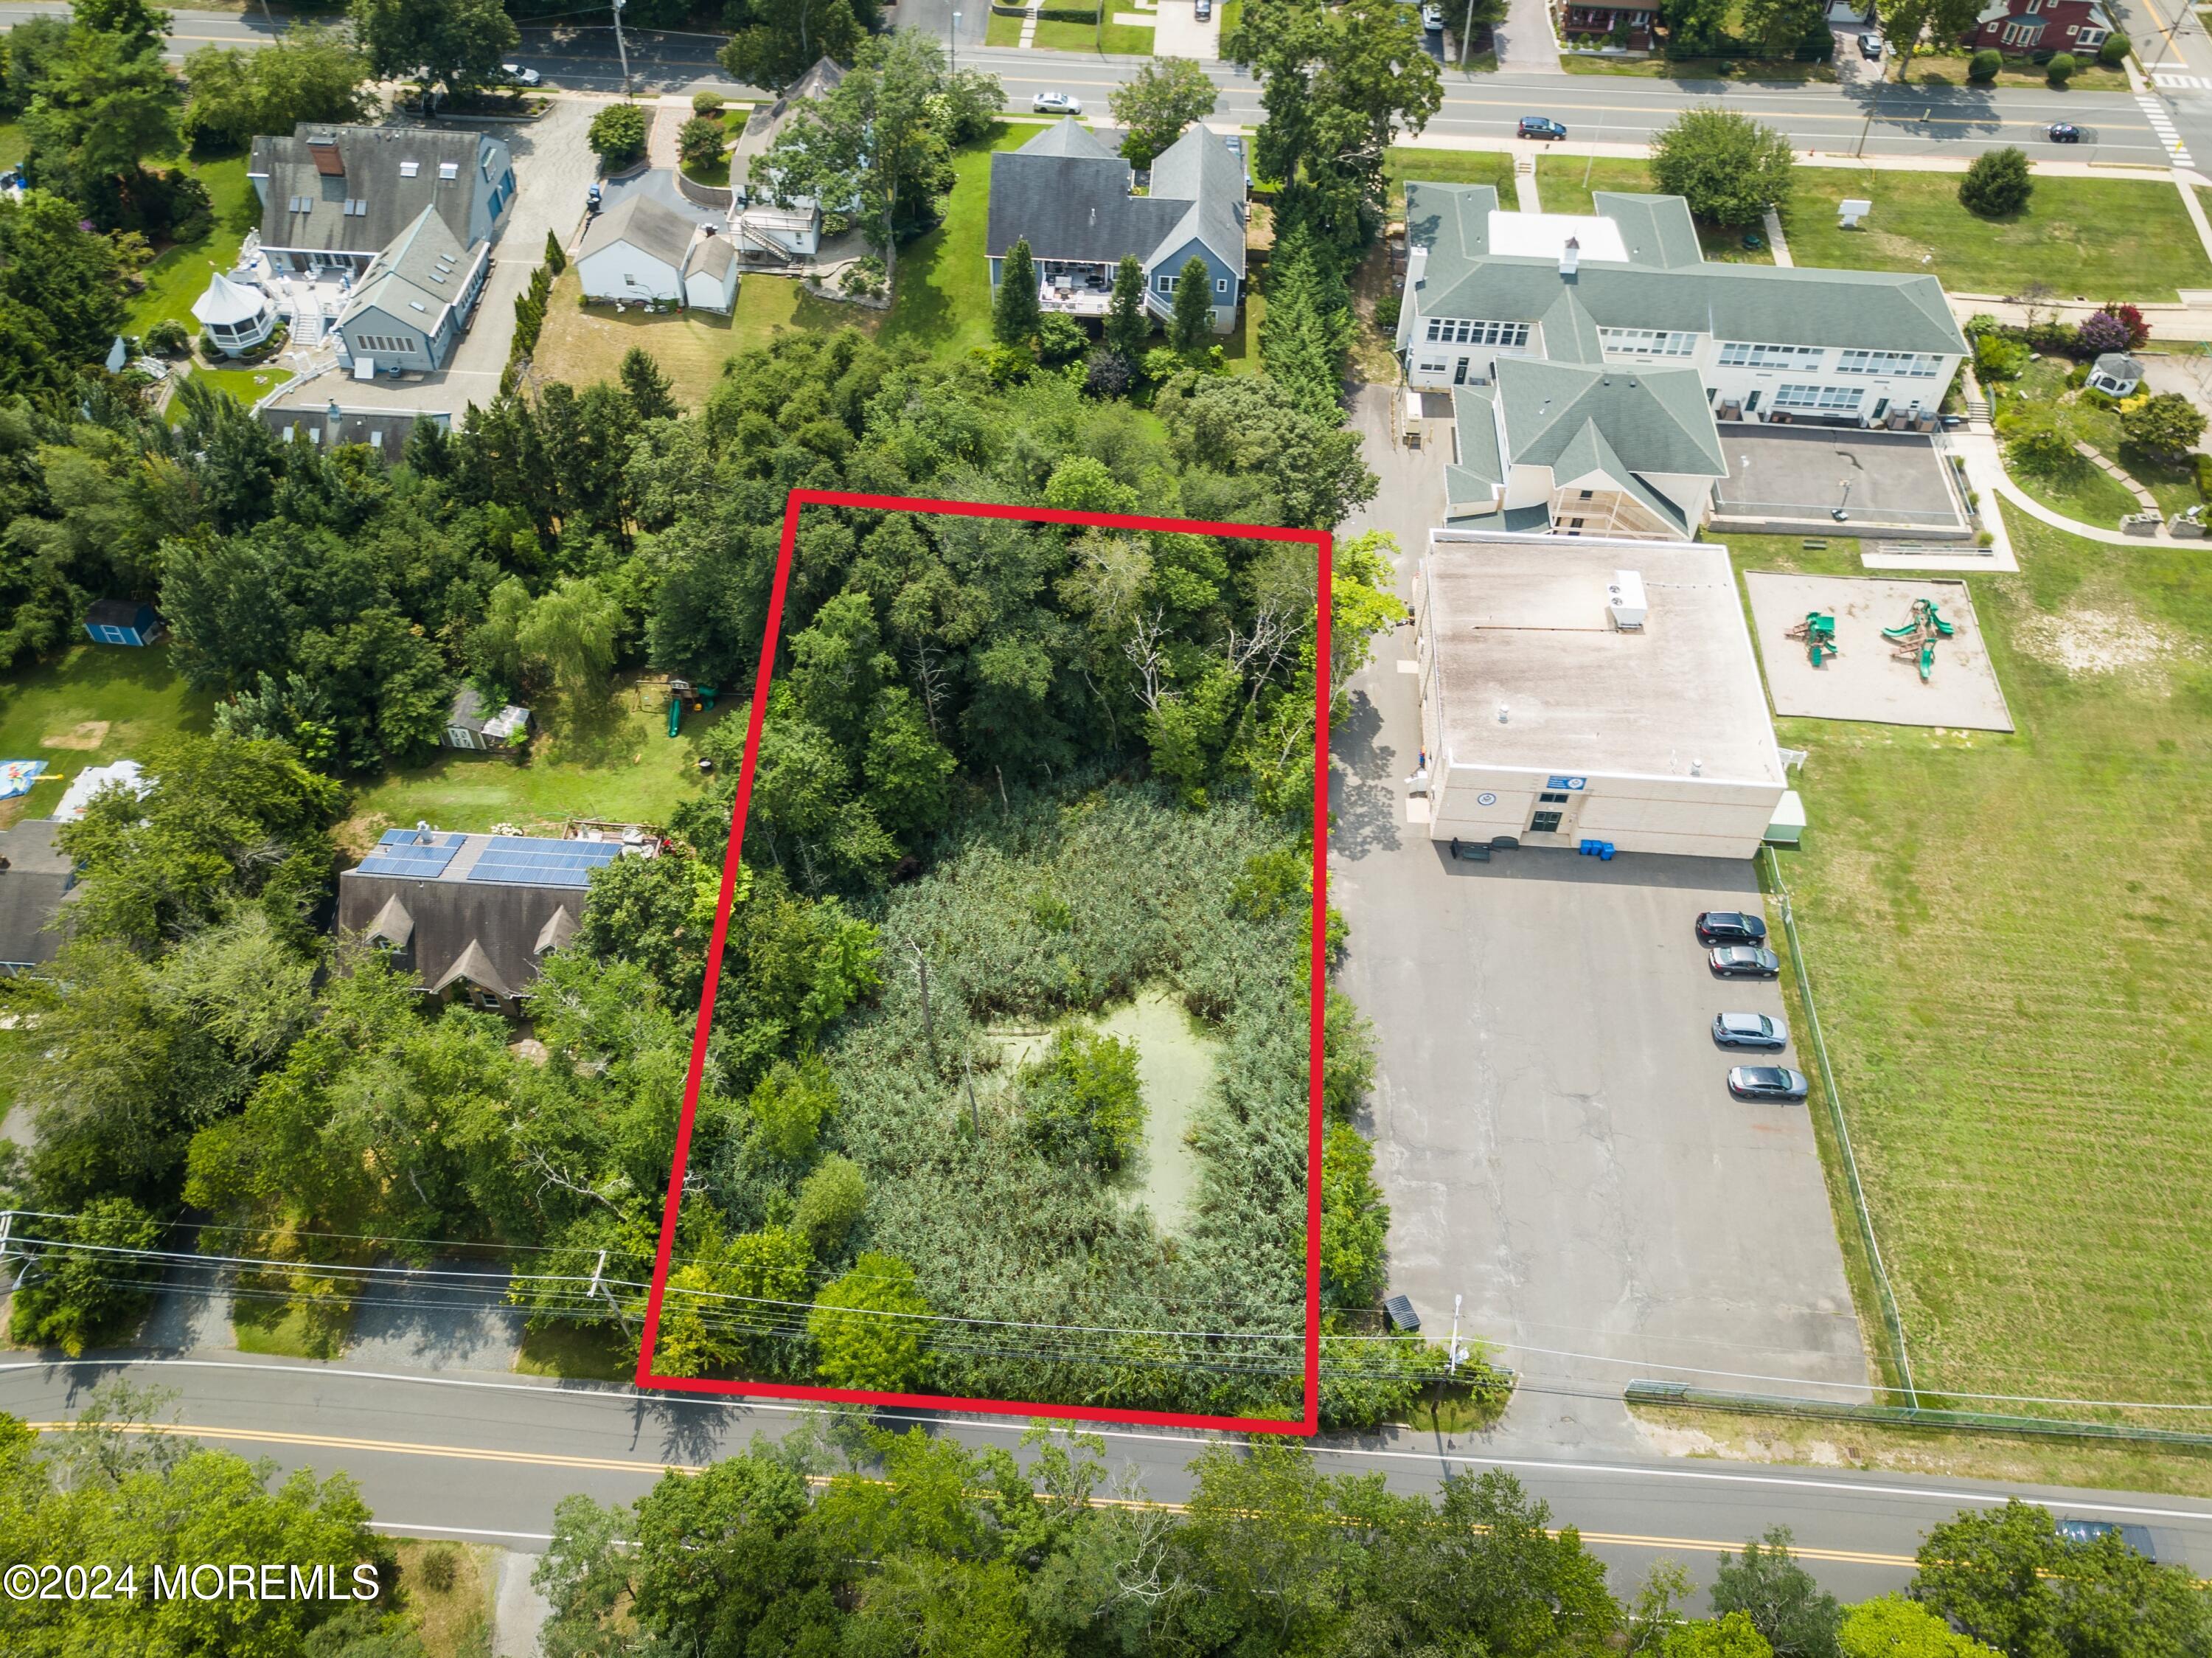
x=1480 y=110
x=487 y=1458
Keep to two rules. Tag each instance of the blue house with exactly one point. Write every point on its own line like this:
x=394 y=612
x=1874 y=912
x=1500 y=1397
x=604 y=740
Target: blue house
x=124 y=622
x=1074 y=202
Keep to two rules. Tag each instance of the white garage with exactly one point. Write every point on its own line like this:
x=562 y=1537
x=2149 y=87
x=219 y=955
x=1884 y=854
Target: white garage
x=1592 y=691
x=635 y=253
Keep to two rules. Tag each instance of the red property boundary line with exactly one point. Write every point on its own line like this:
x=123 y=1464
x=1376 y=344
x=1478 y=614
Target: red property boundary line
x=1310 y=1423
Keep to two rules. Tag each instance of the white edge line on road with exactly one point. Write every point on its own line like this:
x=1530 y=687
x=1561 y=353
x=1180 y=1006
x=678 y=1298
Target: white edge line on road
x=2074 y=1498
x=456 y=1531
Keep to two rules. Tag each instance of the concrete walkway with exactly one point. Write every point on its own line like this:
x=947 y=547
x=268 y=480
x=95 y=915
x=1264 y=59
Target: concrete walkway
x=2117 y=474
x=1777 y=241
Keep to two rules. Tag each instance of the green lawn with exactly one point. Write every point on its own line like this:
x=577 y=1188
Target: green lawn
x=1928 y=70
x=941 y=295
x=12 y=142
x=2008 y=936
x=179 y=275
x=249 y=385
x=2085 y=491
x=1403 y=162
x=767 y=303
x=1564 y=183
x=620 y=764
x=104 y=702
x=1120 y=39
x=1002 y=31
x=2098 y=238
x=1699 y=69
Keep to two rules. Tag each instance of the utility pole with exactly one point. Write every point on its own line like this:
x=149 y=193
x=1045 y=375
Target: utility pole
x=956 y=43
x=621 y=48
x=1451 y=1358
x=928 y=1025
x=1465 y=35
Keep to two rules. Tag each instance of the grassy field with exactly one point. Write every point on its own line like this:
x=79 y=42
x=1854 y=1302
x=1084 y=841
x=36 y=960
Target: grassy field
x=454 y=1622
x=767 y=303
x=92 y=705
x=1700 y=68
x=1001 y=31
x=941 y=295
x=582 y=345
x=1929 y=70
x=1563 y=184
x=2097 y=239
x=247 y=386
x=179 y=275
x=2007 y=935
x=575 y=1354
x=620 y=764
x=1118 y=40
x=1402 y=163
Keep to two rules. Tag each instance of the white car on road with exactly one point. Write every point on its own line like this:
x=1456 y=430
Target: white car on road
x=1056 y=103
x=520 y=75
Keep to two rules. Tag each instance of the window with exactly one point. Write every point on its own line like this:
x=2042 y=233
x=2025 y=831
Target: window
x=1828 y=400
x=1572 y=524
x=449 y=169
x=1221 y=285
x=1648 y=342
x=1166 y=285
x=1918 y=365
x=1550 y=799
x=1736 y=354
x=1450 y=330
x=1433 y=365
x=1587 y=495
x=2033 y=7
x=409 y=169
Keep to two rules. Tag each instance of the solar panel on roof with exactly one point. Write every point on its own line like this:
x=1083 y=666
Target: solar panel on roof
x=524 y=860
x=412 y=854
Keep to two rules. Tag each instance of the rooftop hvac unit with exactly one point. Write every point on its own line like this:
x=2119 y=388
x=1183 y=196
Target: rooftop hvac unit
x=1624 y=597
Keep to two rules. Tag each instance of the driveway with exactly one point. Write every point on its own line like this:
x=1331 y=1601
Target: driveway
x=1551 y=1122
x=1178 y=33
x=1525 y=41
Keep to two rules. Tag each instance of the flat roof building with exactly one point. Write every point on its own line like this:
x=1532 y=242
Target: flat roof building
x=1594 y=691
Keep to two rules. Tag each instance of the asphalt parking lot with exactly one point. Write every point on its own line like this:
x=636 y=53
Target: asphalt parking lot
x=1553 y=1126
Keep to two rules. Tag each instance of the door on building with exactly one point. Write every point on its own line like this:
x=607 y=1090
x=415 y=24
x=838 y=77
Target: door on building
x=1459 y=374
x=1553 y=814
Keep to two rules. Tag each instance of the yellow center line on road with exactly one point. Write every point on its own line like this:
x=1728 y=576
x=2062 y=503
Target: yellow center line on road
x=620 y=1464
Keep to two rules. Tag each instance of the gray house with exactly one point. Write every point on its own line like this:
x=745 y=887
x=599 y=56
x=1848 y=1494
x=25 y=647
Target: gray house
x=1073 y=201
x=36 y=879
x=334 y=197
x=471 y=916
x=409 y=308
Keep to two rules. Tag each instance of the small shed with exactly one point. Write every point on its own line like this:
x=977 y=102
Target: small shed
x=635 y=253
x=124 y=622
x=236 y=315
x=2115 y=374
x=472 y=723
x=710 y=274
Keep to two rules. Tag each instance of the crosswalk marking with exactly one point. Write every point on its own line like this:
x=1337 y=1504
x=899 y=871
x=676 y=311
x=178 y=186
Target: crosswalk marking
x=2162 y=124
x=2174 y=81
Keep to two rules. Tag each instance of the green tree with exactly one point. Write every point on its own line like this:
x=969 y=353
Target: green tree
x=774 y=42
x=699 y=143
x=61 y=273
x=1904 y=22
x=2166 y=426
x=1192 y=324
x=1154 y=106
x=872 y=140
x=1784 y=1601
x=1997 y=184
x=733 y=1302
x=1129 y=324
x=1339 y=85
x=1015 y=312
x=1307 y=328
x=1984 y=66
x=1309 y=470
x=309 y=73
x=732 y=1555
x=617 y=135
x=1894 y=1627
x=556 y=261
x=1775 y=28
x=1730 y=1636
x=1083 y=1101
x=2060 y=69
x=869 y=1327
x=455 y=44
x=651 y=397
x=1355 y=1222
x=84 y=1287
x=2006 y=1577
x=107 y=105
x=1729 y=168
x=789 y=1105
x=831 y=1201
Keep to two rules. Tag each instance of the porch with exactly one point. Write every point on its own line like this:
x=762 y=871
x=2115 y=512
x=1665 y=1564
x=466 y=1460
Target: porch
x=1075 y=287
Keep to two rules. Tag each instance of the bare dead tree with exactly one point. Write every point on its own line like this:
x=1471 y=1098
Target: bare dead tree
x=930 y=677
x=1143 y=651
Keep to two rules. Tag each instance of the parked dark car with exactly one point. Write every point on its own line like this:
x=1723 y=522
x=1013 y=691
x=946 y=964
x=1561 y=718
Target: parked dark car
x=1768 y=1033
x=1768 y=1083
x=1745 y=961
x=1730 y=927
x=2065 y=132
x=1205 y=10
x=2086 y=1532
x=1542 y=126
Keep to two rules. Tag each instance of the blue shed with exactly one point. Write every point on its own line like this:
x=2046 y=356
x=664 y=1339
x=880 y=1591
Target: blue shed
x=124 y=622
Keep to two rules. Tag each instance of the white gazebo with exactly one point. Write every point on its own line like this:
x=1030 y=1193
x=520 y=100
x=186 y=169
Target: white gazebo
x=237 y=318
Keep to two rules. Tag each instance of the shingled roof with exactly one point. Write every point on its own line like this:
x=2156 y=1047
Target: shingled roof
x=388 y=174
x=37 y=880
x=645 y=224
x=1068 y=195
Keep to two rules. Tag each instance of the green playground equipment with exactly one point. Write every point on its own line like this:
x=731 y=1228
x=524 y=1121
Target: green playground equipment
x=1818 y=630
x=682 y=692
x=1914 y=642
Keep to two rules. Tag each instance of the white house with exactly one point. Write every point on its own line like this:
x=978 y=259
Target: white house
x=635 y=252
x=710 y=274
x=236 y=315
x=779 y=229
